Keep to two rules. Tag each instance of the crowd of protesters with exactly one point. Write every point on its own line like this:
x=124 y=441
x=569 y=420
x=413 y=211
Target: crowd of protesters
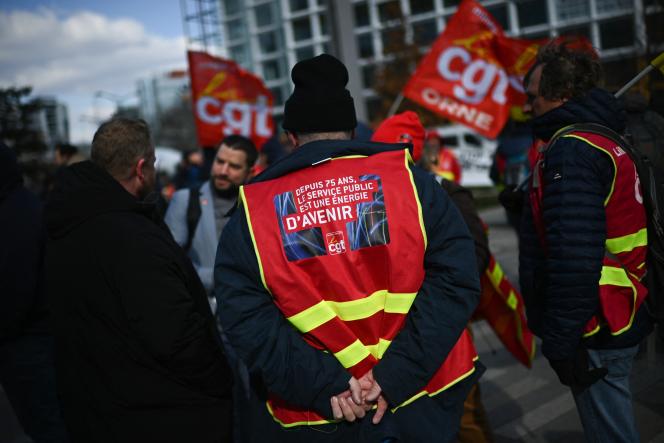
x=233 y=302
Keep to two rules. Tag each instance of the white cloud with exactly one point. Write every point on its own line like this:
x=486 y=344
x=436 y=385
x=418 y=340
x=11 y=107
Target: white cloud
x=74 y=56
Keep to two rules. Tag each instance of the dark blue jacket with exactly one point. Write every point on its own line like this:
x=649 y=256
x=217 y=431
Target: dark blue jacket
x=561 y=289
x=22 y=237
x=277 y=356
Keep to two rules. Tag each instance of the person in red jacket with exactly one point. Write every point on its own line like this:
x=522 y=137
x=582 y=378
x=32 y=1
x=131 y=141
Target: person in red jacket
x=444 y=160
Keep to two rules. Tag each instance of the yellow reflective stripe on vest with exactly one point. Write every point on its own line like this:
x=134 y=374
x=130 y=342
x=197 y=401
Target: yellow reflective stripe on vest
x=297 y=423
x=496 y=275
x=618 y=277
x=614 y=276
x=326 y=310
x=247 y=214
x=408 y=160
x=613 y=160
x=512 y=301
x=378 y=350
x=352 y=354
x=593 y=332
x=628 y=242
x=432 y=394
x=313 y=317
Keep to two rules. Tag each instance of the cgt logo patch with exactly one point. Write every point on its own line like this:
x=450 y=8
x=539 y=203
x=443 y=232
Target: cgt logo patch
x=335 y=243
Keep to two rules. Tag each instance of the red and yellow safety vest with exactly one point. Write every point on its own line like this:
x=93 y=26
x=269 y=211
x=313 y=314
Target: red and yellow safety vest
x=448 y=165
x=620 y=289
x=340 y=246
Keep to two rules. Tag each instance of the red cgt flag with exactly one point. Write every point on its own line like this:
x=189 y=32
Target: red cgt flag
x=473 y=72
x=228 y=100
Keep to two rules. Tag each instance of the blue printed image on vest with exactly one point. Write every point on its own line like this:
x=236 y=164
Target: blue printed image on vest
x=370 y=228
x=365 y=222
x=302 y=244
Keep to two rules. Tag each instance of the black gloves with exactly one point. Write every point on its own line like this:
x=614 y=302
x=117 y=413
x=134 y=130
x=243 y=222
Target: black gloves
x=512 y=199
x=575 y=371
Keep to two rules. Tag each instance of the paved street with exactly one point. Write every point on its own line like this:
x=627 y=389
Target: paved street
x=523 y=405
x=531 y=405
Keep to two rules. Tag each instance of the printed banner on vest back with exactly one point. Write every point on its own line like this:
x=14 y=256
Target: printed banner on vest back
x=332 y=215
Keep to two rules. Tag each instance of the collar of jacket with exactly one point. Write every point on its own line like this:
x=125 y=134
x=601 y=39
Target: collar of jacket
x=83 y=191
x=598 y=106
x=318 y=151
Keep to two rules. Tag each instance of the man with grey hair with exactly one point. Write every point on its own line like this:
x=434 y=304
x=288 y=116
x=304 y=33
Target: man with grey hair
x=137 y=355
x=345 y=283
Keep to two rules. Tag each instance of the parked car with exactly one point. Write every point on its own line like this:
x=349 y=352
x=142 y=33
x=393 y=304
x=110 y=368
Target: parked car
x=474 y=152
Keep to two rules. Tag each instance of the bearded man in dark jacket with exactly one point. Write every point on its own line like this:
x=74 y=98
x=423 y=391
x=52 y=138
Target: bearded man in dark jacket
x=565 y=267
x=137 y=355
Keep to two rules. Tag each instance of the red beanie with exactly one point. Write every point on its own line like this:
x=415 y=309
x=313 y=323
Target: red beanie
x=402 y=128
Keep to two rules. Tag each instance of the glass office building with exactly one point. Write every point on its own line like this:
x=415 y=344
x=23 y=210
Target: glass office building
x=269 y=36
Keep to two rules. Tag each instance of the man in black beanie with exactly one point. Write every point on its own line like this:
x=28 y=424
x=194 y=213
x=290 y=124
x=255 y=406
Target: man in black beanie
x=345 y=283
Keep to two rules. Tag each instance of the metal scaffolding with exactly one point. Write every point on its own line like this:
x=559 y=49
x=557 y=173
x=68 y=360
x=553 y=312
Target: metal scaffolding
x=201 y=23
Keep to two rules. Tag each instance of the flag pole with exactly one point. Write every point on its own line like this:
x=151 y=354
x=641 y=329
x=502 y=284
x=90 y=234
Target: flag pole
x=395 y=105
x=656 y=63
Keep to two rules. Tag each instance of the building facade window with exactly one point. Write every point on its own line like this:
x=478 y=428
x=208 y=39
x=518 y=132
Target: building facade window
x=499 y=12
x=571 y=9
x=617 y=33
x=302 y=29
x=390 y=10
x=264 y=15
x=532 y=13
x=421 y=6
x=365 y=45
x=304 y=53
x=236 y=29
x=239 y=54
x=268 y=42
x=272 y=70
x=368 y=76
x=298 y=5
x=232 y=7
x=425 y=32
x=609 y=6
x=361 y=14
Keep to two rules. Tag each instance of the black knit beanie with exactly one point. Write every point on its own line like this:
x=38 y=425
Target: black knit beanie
x=320 y=101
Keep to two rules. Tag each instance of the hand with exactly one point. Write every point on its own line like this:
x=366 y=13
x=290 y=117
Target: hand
x=349 y=405
x=372 y=392
x=511 y=198
x=575 y=372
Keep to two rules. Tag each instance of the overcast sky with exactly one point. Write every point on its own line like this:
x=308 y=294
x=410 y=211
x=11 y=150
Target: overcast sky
x=74 y=48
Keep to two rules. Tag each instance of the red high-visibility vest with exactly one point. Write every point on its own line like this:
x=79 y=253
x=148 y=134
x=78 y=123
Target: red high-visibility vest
x=620 y=289
x=448 y=165
x=340 y=246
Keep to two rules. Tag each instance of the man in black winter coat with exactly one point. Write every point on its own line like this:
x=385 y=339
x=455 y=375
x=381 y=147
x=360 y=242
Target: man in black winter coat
x=565 y=264
x=137 y=355
x=315 y=385
x=27 y=374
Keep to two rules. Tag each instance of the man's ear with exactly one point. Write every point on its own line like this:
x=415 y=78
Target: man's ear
x=293 y=139
x=140 y=169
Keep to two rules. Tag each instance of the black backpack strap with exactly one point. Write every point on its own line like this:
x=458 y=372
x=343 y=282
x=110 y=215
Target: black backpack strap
x=193 y=214
x=602 y=130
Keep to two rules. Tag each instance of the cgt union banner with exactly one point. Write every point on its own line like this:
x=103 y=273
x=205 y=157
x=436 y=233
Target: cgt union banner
x=228 y=100
x=473 y=73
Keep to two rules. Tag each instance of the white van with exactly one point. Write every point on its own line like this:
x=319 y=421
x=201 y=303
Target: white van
x=475 y=153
